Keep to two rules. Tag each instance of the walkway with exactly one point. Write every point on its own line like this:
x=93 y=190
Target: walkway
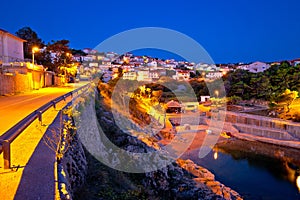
x=33 y=174
x=15 y=108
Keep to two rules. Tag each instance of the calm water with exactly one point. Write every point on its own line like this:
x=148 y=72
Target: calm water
x=252 y=176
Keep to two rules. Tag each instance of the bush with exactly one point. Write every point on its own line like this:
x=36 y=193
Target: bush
x=296 y=117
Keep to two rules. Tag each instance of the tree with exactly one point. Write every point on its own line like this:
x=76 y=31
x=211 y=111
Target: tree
x=61 y=56
x=233 y=99
x=286 y=99
x=78 y=52
x=32 y=40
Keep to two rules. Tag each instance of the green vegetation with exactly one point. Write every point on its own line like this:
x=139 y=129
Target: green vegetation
x=104 y=182
x=268 y=85
x=55 y=56
x=279 y=85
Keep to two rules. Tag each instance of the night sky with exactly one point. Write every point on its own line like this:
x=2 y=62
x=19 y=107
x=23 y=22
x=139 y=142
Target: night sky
x=229 y=30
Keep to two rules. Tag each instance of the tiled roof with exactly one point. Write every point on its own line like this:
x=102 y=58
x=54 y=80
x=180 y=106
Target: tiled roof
x=12 y=35
x=173 y=104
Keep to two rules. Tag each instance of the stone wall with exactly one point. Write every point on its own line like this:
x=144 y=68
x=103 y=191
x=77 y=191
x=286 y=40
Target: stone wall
x=22 y=83
x=70 y=156
x=6 y=84
x=13 y=83
x=49 y=79
x=72 y=170
x=264 y=132
x=264 y=126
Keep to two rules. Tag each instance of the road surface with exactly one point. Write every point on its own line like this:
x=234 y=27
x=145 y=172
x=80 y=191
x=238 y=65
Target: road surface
x=15 y=108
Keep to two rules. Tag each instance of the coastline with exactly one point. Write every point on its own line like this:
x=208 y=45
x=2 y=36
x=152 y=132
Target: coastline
x=201 y=175
x=172 y=181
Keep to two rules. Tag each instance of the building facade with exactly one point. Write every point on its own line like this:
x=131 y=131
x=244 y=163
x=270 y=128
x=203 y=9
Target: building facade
x=11 y=47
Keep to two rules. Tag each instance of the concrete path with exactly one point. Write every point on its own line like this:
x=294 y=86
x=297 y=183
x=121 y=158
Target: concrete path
x=38 y=176
x=15 y=108
x=32 y=176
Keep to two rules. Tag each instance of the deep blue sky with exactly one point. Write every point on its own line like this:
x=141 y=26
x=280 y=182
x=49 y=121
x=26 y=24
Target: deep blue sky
x=230 y=30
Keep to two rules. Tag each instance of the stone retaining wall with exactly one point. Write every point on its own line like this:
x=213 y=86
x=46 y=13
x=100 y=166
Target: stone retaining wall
x=72 y=170
x=17 y=83
x=264 y=126
x=71 y=160
x=262 y=132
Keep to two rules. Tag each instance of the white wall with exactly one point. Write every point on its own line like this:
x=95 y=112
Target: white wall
x=11 y=48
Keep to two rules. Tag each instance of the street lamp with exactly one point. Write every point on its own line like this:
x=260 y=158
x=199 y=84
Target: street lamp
x=34 y=49
x=67 y=55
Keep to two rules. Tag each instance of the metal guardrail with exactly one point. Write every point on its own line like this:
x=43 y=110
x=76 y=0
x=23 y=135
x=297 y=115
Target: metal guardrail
x=9 y=136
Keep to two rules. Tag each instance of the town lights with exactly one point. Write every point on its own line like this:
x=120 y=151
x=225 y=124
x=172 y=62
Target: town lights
x=298 y=182
x=216 y=155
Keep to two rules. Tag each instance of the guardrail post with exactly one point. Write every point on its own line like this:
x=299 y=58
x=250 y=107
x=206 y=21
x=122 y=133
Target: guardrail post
x=39 y=113
x=54 y=104
x=6 y=154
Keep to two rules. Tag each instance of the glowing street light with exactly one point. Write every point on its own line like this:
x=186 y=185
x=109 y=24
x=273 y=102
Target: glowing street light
x=216 y=155
x=298 y=182
x=34 y=49
x=68 y=55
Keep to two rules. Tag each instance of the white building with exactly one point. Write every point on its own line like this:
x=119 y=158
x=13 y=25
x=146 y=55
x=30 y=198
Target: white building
x=143 y=75
x=214 y=75
x=206 y=67
x=204 y=98
x=11 y=47
x=152 y=64
x=182 y=75
x=130 y=75
x=255 y=67
x=258 y=67
x=147 y=75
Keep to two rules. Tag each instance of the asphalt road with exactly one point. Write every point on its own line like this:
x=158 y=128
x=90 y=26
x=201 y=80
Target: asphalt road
x=15 y=108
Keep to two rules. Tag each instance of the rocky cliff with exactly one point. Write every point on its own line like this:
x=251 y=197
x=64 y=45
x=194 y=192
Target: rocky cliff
x=178 y=180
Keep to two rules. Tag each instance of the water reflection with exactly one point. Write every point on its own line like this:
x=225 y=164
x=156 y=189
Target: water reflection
x=216 y=155
x=298 y=182
x=242 y=165
x=292 y=171
x=283 y=168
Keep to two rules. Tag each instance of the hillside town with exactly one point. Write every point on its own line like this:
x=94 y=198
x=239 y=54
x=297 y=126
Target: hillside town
x=166 y=99
x=148 y=69
x=133 y=67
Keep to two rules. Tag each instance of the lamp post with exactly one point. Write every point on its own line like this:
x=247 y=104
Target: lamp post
x=34 y=49
x=67 y=55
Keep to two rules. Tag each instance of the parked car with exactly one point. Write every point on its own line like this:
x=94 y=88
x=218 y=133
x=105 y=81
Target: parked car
x=71 y=80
